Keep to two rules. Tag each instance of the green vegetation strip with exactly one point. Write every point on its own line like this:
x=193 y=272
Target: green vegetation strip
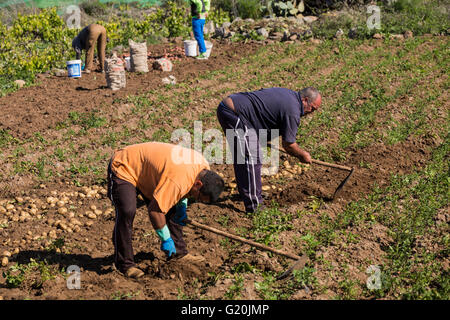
x=409 y=208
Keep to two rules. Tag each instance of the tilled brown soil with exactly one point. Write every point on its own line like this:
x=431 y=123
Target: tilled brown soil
x=87 y=221
x=40 y=107
x=89 y=246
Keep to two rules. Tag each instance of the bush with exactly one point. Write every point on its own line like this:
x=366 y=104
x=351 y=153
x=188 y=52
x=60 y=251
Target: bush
x=418 y=16
x=94 y=8
x=242 y=8
x=33 y=44
x=250 y=9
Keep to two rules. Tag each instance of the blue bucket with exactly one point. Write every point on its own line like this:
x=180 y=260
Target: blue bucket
x=74 y=68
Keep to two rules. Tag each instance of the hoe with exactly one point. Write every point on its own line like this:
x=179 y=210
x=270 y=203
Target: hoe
x=299 y=263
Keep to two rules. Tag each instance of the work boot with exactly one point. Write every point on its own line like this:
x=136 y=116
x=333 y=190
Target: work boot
x=87 y=71
x=134 y=273
x=202 y=56
x=189 y=258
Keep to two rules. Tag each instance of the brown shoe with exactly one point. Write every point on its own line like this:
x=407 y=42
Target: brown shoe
x=189 y=258
x=134 y=273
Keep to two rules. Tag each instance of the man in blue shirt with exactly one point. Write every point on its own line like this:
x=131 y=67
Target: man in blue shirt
x=245 y=115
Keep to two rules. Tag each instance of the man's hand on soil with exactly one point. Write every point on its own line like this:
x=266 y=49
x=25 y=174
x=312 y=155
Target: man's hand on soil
x=168 y=246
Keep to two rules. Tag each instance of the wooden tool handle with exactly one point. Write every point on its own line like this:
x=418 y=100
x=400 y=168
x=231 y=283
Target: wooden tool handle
x=237 y=238
x=322 y=163
x=331 y=165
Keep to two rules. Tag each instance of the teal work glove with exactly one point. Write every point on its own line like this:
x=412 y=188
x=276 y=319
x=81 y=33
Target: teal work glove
x=180 y=215
x=167 y=244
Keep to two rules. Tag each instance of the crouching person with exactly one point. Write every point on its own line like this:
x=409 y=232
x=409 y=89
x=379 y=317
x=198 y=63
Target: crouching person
x=165 y=175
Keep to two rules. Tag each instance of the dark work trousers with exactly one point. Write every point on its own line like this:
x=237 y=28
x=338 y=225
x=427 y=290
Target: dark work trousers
x=123 y=196
x=244 y=146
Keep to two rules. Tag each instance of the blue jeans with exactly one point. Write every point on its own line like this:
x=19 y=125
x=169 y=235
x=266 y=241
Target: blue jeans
x=197 y=27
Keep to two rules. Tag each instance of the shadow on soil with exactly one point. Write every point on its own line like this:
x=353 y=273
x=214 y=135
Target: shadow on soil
x=101 y=265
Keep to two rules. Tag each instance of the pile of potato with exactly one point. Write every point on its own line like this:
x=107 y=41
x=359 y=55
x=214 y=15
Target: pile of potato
x=269 y=173
x=61 y=212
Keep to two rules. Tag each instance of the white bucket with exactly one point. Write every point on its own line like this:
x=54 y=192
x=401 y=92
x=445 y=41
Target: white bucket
x=190 y=48
x=74 y=68
x=128 y=63
x=208 y=46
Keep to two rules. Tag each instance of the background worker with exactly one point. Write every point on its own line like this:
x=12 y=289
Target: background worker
x=85 y=40
x=164 y=174
x=243 y=115
x=199 y=12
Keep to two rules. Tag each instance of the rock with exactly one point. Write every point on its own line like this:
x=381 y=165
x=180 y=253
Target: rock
x=236 y=20
x=226 y=25
x=249 y=20
x=163 y=64
x=309 y=19
x=408 y=34
x=377 y=36
x=20 y=83
x=276 y=36
x=209 y=27
x=339 y=34
x=315 y=41
x=262 y=32
x=353 y=33
x=169 y=80
x=59 y=72
x=293 y=37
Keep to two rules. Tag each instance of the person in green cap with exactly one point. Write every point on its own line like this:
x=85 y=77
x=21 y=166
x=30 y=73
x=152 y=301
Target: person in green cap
x=199 y=12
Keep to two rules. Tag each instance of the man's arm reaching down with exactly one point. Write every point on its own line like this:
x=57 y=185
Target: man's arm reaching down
x=294 y=150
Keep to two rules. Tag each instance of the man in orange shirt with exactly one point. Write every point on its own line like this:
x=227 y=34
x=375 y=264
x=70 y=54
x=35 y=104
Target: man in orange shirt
x=165 y=175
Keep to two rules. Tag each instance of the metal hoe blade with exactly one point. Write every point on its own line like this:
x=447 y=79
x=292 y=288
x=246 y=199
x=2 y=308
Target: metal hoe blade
x=339 y=188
